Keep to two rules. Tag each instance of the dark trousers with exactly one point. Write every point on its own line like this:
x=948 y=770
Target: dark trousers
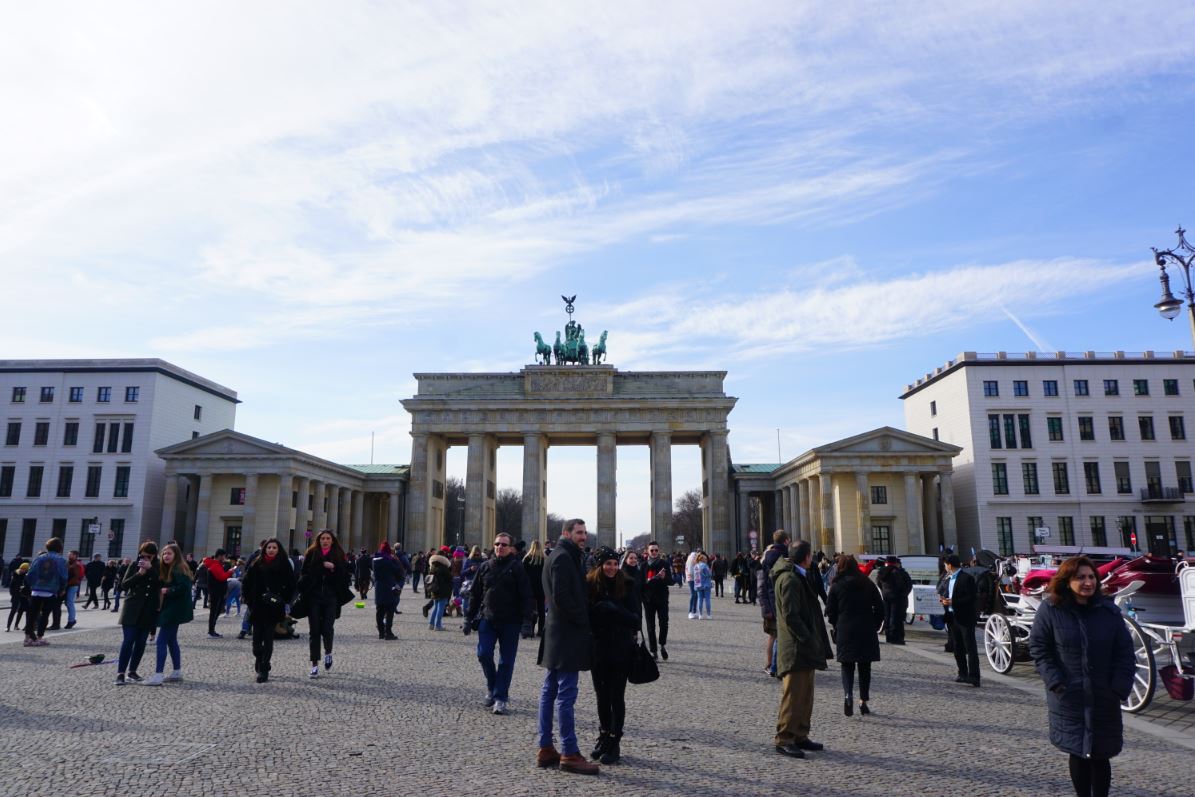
x=966 y=656
x=848 y=679
x=200 y=592
x=321 y=621
x=1091 y=777
x=610 y=684
x=894 y=619
x=718 y=587
x=385 y=619
x=506 y=637
x=36 y=614
x=740 y=591
x=16 y=610
x=55 y=612
x=540 y=605
x=132 y=648
x=652 y=613
x=218 y=590
x=750 y=590
x=263 y=642
x=93 y=599
x=107 y=597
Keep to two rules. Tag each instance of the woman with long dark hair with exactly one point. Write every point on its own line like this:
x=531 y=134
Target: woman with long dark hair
x=614 y=619
x=856 y=612
x=388 y=577
x=323 y=585
x=268 y=587
x=140 y=584
x=1083 y=653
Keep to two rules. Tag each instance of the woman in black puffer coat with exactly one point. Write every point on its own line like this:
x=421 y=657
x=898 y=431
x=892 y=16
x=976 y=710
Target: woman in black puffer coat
x=614 y=613
x=855 y=609
x=268 y=586
x=1083 y=652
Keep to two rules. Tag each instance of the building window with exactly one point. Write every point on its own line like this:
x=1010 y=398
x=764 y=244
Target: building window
x=66 y=475
x=1049 y=387
x=1146 y=424
x=97 y=447
x=70 y=433
x=58 y=529
x=103 y=394
x=999 y=478
x=1035 y=523
x=1066 y=530
x=1170 y=387
x=1140 y=387
x=1178 y=430
x=1115 y=427
x=1062 y=482
x=86 y=540
x=1111 y=387
x=1086 y=427
x=1004 y=535
x=194 y=435
x=198 y=412
x=1026 y=438
x=41 y=433
x=935 y=433
x=993 y=431
x=933 y=409
x=28 y=532
x=8 y=474
x=33 y=488
x=1091 y=475
x=132 y=394
x=991 y=388
x=116 y=543
x=126 y=443
x=1020 y=388
x=1127 y=525
x=1099 y=533
x=13 y=436
x=1189 y=532
x=1010 y=431
x=237 y=498
x=92 y=490
x=121 y=488
x=1054 y=429
x=1182 y=470
x=879 y=495
x=232 y=541
x=1081 y=388
x=47 y=395
x=76 y=395
x=1124 y=480
x=113 y=437
x=18 y=395
x=1029 y=477
x=881 y=539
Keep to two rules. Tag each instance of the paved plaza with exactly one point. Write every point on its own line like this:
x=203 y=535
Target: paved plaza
x=406 y=718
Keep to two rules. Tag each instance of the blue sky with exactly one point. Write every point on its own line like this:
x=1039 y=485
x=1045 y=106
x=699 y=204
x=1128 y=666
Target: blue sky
x=311 y=202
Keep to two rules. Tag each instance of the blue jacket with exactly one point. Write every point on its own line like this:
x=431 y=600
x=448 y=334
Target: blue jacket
x=47 y=573
x=1085 y=657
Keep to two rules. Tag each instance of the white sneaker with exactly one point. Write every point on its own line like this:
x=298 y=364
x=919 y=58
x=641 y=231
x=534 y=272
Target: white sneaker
x=692 y=616
x=709 y=617
x=314 y=672
x=499 y=706
x=174 y=676
x=155 y=679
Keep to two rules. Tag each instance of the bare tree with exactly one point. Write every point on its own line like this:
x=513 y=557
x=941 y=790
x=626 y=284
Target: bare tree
x=509 y=509
x=686 y=520
x=454 y=512
x=639 y=541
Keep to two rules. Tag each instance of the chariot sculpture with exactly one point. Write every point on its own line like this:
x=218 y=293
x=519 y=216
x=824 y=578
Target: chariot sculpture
x=571 y=349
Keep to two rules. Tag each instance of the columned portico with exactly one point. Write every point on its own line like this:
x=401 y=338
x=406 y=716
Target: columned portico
x=661 y=485
x=203 y=512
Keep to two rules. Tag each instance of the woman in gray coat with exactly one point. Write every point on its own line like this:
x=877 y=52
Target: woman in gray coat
x=1083 y=653
x=855 y=610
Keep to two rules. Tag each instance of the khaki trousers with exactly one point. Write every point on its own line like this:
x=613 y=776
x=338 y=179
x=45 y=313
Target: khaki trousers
x=796 y=707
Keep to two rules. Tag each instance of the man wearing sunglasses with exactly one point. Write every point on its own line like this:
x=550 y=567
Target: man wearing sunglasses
x=501 y=594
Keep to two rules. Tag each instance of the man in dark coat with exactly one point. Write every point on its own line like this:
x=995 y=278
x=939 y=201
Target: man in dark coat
x=767 y=608
x=94 y=573
x=895 y=585
x=803 y=647
x=501 y=595
x=657 y=576
x=959 y=601
x=565 y=649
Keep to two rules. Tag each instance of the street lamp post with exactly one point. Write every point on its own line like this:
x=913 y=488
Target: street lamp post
x=460 y=522
x=1182 y=257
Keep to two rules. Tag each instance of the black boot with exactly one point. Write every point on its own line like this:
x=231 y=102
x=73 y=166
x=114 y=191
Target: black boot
x=611 y=754
x=599 y=747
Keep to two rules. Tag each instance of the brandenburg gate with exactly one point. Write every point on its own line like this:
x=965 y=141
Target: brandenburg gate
x=569 y=403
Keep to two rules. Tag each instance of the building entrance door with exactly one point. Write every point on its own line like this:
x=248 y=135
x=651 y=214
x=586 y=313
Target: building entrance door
x=1159 y=529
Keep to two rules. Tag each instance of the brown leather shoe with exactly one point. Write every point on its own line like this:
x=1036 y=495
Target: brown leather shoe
x=547 y=757
x=577 y=764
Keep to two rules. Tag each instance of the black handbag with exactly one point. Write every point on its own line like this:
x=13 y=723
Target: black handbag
x=643 y=668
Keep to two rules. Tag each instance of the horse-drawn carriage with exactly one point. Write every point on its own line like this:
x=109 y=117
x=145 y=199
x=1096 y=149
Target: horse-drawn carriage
x=1157 y=597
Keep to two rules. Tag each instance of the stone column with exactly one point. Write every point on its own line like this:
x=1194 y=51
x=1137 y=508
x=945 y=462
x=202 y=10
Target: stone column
x=282 y=525
x=929 y=503
x=607 y=491
x=203 y=508
x=778 y=522
x=862 y=511
x=392 y=516
x=358 y=524
x=489 y=504
x=744 y=522
x=913 y=522
x=192 y=511
x=303 y=487
x=716 y=534
x=535 y=510
x=949 y=526
x=793 y=522
x=803 y=510
x=344 y=519
x=319 y=517
x=249 y=514
x=829 y=538
x=169 y=509
x=661 y=489
x=418 y=495
x=475 y=491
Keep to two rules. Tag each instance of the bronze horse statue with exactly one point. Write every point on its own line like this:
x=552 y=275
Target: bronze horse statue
x=599 y=351
x=543 y=352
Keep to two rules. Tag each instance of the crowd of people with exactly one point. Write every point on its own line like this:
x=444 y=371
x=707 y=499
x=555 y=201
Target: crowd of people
x=591 y=608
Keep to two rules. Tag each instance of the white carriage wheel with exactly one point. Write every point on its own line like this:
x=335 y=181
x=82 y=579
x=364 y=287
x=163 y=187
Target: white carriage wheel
x=1144 y=676
x=997 y=643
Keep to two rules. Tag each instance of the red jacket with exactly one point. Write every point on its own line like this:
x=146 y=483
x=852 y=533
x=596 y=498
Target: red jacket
x=216 y=570
x=74 y=574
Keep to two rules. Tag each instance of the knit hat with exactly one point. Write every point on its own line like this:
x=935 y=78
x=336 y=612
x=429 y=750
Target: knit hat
x=604 y=554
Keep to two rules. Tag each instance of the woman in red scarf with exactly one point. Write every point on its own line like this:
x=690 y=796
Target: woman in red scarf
x=324 y=584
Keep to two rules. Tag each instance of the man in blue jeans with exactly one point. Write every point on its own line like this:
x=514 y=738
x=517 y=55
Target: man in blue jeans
x=501 y=594
x=564 y=650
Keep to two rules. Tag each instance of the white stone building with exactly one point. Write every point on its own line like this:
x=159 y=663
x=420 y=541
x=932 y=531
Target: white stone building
x=1092 y=447
x=78 y=448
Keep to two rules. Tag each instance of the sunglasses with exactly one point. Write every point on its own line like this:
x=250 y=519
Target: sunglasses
x=502 y=545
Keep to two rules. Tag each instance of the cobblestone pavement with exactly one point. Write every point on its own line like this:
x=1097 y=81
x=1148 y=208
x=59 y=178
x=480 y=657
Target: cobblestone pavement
x=406 y=717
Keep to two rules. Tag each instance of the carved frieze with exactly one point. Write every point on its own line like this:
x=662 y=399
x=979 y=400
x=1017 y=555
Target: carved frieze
x=567 y=382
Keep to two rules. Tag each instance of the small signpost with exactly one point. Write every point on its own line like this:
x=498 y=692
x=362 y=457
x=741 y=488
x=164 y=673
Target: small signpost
x=1042 y=532
x=93 y=528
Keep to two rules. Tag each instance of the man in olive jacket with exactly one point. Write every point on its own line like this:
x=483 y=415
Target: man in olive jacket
x=565 y=649
x=802 y=647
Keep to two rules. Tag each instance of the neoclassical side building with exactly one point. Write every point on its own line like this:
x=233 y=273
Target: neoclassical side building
x=229 y=490
x=885 y=491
